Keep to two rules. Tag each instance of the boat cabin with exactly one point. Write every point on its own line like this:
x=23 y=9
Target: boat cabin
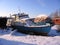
x=20 y=16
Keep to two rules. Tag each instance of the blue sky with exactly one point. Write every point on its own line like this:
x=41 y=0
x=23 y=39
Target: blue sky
x=32 y=7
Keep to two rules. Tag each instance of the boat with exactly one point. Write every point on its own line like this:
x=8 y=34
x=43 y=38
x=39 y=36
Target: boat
x=25 y=24
x=56 y=21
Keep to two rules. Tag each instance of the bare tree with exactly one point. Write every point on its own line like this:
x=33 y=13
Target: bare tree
x=55 y=14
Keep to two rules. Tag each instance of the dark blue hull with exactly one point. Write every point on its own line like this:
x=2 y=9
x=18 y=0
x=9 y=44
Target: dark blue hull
x=39 y=30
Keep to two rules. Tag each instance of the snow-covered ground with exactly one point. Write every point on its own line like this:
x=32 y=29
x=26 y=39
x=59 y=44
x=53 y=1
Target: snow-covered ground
x=14 y=38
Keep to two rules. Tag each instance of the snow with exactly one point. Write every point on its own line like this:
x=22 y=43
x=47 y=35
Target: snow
x=14 y=38
x=42 y=15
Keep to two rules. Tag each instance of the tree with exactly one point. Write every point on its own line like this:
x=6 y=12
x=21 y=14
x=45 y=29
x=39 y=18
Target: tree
x=55 y=14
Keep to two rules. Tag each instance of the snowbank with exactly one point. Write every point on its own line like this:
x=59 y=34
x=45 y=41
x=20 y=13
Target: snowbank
x=9 y=38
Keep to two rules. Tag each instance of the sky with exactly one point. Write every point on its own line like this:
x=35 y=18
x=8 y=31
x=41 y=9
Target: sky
x=31 y=7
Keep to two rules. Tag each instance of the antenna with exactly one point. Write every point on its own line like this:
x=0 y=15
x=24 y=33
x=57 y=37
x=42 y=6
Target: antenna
x=59 y=12
x=10 y=15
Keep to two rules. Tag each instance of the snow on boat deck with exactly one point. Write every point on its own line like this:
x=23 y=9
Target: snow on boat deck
x=40 y=25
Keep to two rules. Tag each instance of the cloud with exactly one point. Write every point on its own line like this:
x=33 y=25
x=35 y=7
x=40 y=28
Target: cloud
x=41 y=2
